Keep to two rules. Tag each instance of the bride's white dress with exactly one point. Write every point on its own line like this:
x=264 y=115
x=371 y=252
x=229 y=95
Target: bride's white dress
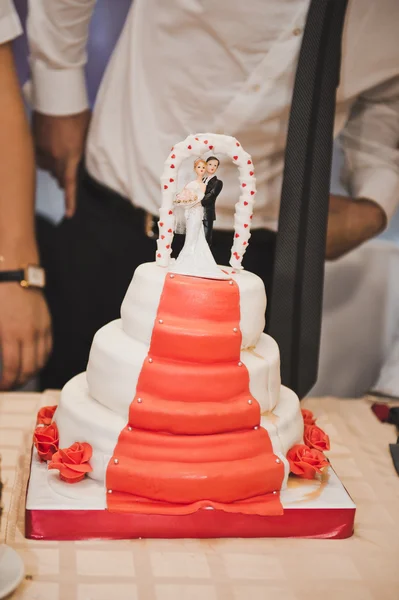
x=196 y=258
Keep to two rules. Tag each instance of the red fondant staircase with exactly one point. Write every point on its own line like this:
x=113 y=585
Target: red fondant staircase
x=193 y=439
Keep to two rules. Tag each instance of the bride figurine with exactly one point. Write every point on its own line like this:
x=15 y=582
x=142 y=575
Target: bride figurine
x=195 y=258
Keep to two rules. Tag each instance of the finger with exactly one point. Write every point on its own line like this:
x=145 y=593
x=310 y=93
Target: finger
x=70 y=187
x=49 y=343
x=10 y=363
x=41 y=351
x=28 y=366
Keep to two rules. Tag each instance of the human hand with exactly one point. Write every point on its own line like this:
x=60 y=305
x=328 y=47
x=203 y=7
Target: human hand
x=59 y=144
x=25 y=334
x=351 y=223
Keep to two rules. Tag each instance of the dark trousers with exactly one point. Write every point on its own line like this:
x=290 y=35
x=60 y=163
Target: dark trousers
x=208 y=229
x=90 y=260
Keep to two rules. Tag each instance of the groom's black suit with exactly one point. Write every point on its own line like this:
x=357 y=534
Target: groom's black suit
x=213 y=189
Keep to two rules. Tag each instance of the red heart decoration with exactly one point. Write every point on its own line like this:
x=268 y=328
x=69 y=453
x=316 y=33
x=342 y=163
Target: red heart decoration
x=170 y=212
x=161 y=224
x=251 y=216
x=197 y=139
x=159 y=256
x=171 y=180
x=210 y=147
x=244 y=243
x=245 y=203
x=252 y=193
x=173 y=156
x=237 y=144
x=172 y=166
x=244 y=185
x=245 y=225
x=189 y=147
x=206 y=141
x=169 y=230
x=237 y=235
x=168 y=246
x=162 y=237
x=235 y=157
x=165 y=187
x=251 y=173
x=249 y=162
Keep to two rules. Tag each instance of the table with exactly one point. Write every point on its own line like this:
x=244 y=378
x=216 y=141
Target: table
x=364 y=567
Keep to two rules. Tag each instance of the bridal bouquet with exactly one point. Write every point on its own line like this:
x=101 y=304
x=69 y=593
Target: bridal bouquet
x=185 y=197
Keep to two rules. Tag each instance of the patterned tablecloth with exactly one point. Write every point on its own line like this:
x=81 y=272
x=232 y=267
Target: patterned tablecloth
x=364 y=567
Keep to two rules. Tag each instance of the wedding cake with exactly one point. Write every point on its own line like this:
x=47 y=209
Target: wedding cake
x=181 y=408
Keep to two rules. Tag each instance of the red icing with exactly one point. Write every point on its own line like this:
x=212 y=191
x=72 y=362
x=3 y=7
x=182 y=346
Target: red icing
x=252 y=192
x=244 y=185
x=171 y=180
x=192 y=441
x=250 y=162
x=235 y=157
x=165 y=187
x=245 y=203
x=237 y=235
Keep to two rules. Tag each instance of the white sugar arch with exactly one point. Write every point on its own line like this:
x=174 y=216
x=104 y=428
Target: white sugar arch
x=192 y=147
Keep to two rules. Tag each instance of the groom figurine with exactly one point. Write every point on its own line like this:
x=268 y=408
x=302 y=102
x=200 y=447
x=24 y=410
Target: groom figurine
x=213 y=188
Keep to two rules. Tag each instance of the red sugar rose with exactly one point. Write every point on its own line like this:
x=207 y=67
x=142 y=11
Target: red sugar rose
x=306 y=462
x=314 y=437
x=308 y=417
x=46 y=441
x=72 y=462
x=45 y=415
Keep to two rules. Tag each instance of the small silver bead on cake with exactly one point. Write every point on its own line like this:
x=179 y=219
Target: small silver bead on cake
x=160 y=321
x=150 y=360
x=116 y=461
x=130 y=428
x=109 y=491
x=139 y=400
x=278 y=461
x=240 y=364
x=249 y=401
x=235 y=329
x=171 y=275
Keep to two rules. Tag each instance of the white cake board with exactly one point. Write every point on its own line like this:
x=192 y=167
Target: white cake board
x=59 y=511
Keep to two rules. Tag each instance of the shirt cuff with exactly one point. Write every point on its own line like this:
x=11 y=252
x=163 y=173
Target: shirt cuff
x=378 y=184
x=10 y=27
x=57 y=92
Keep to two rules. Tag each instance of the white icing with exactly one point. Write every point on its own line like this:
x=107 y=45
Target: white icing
x=140 y=305
x=116 y=360
x=194 y=146
x=114 y=366
x=80 y=418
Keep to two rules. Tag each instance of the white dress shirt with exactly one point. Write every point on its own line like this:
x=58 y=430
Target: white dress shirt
x=223 y=66
x=10 y=26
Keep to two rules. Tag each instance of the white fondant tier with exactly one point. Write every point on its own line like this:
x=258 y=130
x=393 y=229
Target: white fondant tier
x=116 y=360
x=79 y=418
x=139 y=308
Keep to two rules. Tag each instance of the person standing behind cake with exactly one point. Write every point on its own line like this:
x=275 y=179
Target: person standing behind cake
x=25 y=326
x=223 y=67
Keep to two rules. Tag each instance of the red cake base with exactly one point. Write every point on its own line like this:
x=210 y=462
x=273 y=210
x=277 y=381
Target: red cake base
x=60 y=511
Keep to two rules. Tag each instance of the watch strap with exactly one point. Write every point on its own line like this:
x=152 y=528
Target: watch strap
x=17 y=275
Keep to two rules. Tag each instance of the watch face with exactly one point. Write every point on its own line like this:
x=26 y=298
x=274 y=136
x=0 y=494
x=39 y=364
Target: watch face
x=35 y=276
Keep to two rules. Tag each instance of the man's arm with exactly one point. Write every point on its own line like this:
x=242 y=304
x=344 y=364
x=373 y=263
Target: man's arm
x=370 y=142
x=25 y=329
x=211 y=196
x=57 y=33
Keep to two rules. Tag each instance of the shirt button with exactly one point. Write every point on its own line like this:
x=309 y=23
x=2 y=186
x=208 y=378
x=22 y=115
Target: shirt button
x=297 y=31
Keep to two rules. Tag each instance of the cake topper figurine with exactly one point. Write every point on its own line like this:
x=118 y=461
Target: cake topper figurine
x=196 y=258
x=202 y=211
x=213 y=188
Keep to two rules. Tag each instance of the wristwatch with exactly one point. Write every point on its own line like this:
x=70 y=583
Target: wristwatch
x=31 y=276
